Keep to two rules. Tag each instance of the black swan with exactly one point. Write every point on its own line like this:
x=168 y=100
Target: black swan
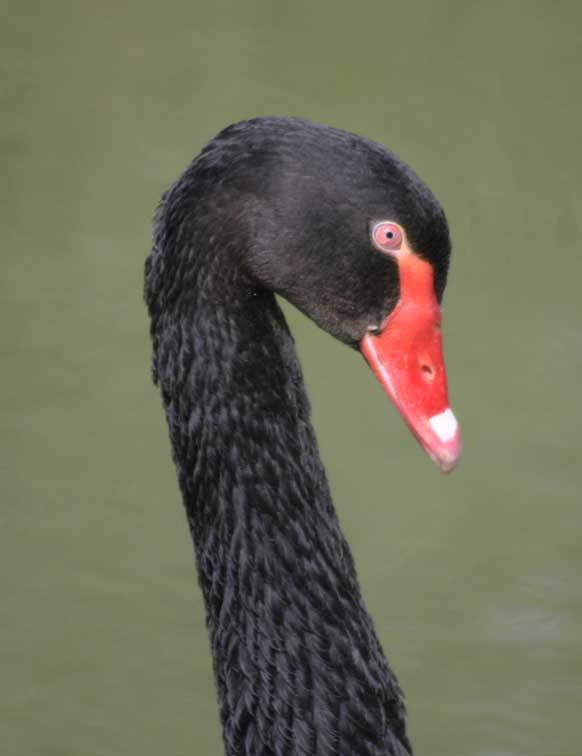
x=348 y=233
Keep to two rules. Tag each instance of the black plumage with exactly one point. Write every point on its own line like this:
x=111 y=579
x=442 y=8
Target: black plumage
x=278 y=205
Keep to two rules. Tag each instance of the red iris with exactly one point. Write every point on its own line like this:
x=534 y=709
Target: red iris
x=387 y=236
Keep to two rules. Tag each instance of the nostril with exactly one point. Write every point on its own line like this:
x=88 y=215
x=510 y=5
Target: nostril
x=427 y=371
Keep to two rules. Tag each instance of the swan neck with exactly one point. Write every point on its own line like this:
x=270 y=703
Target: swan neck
x=296 y=657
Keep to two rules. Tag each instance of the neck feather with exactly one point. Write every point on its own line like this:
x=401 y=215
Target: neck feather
x=298 y=666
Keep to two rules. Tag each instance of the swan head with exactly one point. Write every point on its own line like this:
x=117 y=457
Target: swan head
x=348 y=233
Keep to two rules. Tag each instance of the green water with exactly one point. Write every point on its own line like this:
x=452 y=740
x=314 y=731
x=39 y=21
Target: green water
x=474 y=580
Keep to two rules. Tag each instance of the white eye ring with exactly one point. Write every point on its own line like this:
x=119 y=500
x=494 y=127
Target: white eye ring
x=387 y=236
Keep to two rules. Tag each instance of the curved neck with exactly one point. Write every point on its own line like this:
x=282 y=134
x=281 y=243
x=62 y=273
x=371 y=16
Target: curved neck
x=299 y=669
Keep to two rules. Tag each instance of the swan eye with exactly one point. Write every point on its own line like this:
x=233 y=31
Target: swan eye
x=387 y=236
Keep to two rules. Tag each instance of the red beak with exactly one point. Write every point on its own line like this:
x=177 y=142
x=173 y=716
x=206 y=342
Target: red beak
x=407 y=358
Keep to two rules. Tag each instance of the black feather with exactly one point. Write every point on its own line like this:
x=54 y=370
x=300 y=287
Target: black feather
x=278 y=205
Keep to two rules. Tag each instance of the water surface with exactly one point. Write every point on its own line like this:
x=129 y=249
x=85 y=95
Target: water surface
x=474 y=580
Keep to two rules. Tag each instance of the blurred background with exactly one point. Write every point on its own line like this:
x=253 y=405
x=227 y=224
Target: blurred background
x=474 y=580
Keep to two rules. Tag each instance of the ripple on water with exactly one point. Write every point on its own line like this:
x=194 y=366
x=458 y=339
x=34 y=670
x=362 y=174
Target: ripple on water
x=542 y=618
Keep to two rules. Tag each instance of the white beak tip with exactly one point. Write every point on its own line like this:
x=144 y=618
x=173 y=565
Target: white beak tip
x=445 y=425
